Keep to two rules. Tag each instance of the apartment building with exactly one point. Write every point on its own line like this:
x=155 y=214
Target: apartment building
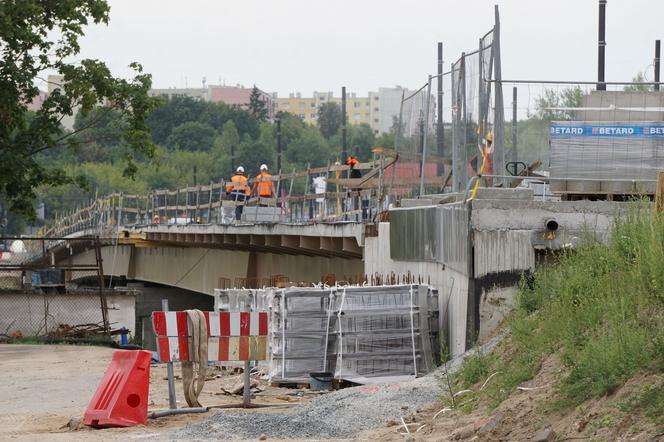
x=377 y=109
x=231 y=95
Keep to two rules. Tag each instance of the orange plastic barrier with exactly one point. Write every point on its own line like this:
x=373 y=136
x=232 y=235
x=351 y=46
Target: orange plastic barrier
x=121 y=400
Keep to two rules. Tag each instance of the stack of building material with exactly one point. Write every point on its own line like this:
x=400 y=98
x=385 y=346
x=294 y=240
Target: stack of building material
x=301 y=341
x=361 y=334
x=383 y=332
x=606 y=157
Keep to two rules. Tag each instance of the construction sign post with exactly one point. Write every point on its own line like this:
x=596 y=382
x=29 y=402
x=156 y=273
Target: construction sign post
x=230 y=336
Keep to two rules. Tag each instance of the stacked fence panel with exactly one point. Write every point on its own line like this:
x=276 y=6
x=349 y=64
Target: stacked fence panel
x=362 y=334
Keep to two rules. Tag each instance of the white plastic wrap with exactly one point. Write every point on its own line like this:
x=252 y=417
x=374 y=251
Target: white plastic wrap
x=606 y=157
x=361 y=334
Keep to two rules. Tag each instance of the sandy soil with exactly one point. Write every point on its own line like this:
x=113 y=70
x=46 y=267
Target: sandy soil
x=47 y=385
x=523 y=415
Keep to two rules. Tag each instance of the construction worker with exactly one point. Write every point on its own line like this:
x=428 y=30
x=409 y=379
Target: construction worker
x=354 y=172
x=238 y=189
x=353 y=162
x=264 y=186
x=487 y=158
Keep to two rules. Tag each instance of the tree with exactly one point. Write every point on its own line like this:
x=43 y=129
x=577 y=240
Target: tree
x=252 y=153
x=329 y=118
x=100 y=142
x=310 y=148
x=174 y=112
x=38 y=36
x=638 y=78
x=192 y=136
x=362 y=139
x=551 y=99
x=257 y=106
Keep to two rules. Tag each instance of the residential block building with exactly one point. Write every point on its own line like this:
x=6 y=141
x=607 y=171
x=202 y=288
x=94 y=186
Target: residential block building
x=377 y=109
x=230 y=95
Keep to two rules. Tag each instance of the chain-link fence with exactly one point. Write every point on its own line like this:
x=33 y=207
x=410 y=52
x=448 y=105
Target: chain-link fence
x=52 y=288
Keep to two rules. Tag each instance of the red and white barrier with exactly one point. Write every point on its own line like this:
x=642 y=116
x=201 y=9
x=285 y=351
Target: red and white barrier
x=236 y=336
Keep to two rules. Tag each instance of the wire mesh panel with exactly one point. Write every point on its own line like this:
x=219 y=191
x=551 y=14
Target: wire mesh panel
x=355 y=332
x=416 y=121
x=473 y=117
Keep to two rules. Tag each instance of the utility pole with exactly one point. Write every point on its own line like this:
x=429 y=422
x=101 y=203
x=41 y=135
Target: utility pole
x=233 y=157
x=601 y=46
x=344 y=146
x=278 y=145
x=657 y=59
x=440 y=129
x=195 y=180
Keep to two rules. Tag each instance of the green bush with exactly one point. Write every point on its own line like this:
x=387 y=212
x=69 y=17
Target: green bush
x=475 y=368
x=600 y=308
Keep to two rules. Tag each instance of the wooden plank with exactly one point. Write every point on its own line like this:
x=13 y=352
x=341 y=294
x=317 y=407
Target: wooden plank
x=659 y=195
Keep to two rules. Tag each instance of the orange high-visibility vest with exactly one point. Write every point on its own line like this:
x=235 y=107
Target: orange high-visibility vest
x=238 y=184
x=264 y=188
x=488 y=163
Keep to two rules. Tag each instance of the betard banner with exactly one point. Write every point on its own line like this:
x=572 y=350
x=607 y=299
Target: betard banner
x=564 y=130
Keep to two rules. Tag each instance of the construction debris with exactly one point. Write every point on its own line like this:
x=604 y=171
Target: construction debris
x=77 y=331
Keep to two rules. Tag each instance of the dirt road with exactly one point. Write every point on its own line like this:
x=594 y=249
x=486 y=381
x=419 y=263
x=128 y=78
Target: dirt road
x=44 y=386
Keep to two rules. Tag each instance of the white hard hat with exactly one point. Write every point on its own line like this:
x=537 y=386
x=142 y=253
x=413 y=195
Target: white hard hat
x=240 y=169
x=263 y=166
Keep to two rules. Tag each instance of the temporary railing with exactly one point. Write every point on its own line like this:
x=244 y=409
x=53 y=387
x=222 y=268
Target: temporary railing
x=321 y=194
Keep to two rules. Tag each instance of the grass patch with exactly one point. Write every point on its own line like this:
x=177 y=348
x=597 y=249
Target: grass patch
x=600 y=308
x=649 y=400
x=475 y=368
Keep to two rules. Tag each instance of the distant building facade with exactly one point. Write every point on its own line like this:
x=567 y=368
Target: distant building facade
x=55 y=82
x=377 y=109
x=230 y=95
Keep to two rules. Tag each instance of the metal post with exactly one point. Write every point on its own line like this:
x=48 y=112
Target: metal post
x=426 y=135
x=455 y=123
x=463 y=138
x=397 y=133
x=498 y=132
x=344 y=145
x=440 y=130
x=601 y=46
x=279 y=144
x=514 y=125
x=172 y=404
x=102 y=294
x=657 y=59
x=246 y=397
x=209 y=213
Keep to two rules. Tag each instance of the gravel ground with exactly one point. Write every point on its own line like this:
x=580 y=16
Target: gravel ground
x=341 y=414
x=337 y=415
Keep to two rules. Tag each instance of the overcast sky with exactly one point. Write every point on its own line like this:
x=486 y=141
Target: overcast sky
x=305 y=45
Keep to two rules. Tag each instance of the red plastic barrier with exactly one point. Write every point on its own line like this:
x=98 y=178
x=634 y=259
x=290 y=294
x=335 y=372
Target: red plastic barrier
x=121 y=400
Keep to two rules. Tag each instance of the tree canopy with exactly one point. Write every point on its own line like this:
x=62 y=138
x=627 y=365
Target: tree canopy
x=257 y=105
x=329 y=118
x=29 y=48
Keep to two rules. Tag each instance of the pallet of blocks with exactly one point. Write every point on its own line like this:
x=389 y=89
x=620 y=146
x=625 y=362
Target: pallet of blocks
x=360 y=334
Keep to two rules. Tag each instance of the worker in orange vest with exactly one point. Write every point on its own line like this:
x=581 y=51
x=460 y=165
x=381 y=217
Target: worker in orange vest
x=238 y=189
x=487 y=158
x=264 y=186
x=353 y=162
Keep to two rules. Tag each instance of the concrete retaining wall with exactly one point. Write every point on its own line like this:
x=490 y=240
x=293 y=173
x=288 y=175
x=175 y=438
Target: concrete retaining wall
x=452 y=286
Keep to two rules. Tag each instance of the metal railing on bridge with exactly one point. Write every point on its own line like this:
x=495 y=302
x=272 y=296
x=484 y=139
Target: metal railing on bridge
x=314 y=195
